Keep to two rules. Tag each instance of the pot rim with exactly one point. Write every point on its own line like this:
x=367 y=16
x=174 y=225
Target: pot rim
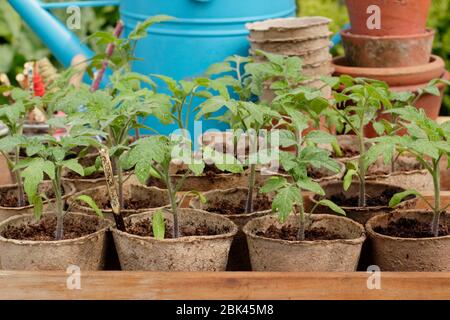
x=71 y=193
x=373 y=234
x=354 y=241
x=347 y=33
x=233 y=229
x=267 y=25
x=415 y=87
x=312 y=197
x=71 y=199
x=229 y=216
x=54 y=243
x=436 y=62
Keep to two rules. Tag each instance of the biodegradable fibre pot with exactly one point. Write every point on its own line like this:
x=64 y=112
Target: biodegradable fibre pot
x=193 y=253
x=408 y=254
x=340 y=255
x=269 y=95
x=308 y=58
x=408 y=172
x=87 y=252
x=137 y=199
x=396 y=17
x=374 y=190
x=394 y=77
x=10 y=191
x=238 y=259
x=292 y=47
x=289 y=28
x=387 y=51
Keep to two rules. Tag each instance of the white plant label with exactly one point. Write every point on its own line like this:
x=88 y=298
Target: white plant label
x=73 y=281
x=374 y=20
x=73 y=21
x=374 y=280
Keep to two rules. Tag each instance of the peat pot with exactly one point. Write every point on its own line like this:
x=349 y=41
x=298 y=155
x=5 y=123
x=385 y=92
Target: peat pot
x=392 y=253
x=137 y=199
x=87 y=252
x=239 y=259
x=45 y=187
x=192 y=253
x=341 y=255
x=378 y=191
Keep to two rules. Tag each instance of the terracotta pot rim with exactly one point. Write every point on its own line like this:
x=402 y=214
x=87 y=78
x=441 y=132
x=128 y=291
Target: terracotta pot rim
x=69 y=184
x=317 y=217
x=229 y=216
x=436 y=62
x=347 y=33
x=373 y=234
x=79 y=240
x=313 y=197
x=415 y=87
x=110 y=211
x=270 y=24
x=292 y=40
x=233 y=229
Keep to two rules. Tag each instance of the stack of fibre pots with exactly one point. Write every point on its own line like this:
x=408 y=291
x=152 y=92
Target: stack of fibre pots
x=389 y=41
x=307 y=38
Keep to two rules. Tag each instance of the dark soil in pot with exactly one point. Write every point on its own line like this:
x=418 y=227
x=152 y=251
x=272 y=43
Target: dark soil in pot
x=333 y=244
x=192 y=252
x=137 y=198
x=9 y=202
x=29 y=245
x=231 y=204
x=402 y=241
x=378 y=197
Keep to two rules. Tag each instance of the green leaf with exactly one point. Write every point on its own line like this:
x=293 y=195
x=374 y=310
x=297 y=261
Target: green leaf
x=158 y=225
x=310 y=185
x=74 y=166
x=273 y=184
x=332 y=206
x=397 y=198
x=91 y=203
x=38 y=207
x=284 y=201
x=349 y=178
x=321 y=137
x=197 y=168
x=219 y=68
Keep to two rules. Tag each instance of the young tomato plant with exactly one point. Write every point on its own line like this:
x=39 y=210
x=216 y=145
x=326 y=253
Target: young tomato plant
x=152 y=156
x=46 y=158
x=289 y=195
x=357 y=105
x=425 y=140
x=13 y=116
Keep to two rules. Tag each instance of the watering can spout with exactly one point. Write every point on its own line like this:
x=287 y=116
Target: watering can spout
x=62 y=42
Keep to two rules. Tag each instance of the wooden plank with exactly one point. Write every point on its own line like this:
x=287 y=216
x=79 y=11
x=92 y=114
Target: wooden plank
x=220 y=286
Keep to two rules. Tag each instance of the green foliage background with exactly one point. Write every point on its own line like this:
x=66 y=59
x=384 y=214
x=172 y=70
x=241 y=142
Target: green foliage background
x=18 y=44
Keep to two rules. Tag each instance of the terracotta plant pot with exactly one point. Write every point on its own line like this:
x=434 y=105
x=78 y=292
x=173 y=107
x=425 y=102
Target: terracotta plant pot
x=238 y=259
x=404 y=17
x=408 y=254
x=289 y=28
x=387 y=51
x=87 y=253
x=194 y=253
x=394 y=77
x=306 y=256
x=292 y=47
x=361 y=214
x=45 y=187
x=137 y=199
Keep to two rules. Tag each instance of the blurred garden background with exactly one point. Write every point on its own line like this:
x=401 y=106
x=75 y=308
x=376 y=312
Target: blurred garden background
x=18 y=44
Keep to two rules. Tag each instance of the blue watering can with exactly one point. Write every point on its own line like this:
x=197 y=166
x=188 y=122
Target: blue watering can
x=205 y=32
